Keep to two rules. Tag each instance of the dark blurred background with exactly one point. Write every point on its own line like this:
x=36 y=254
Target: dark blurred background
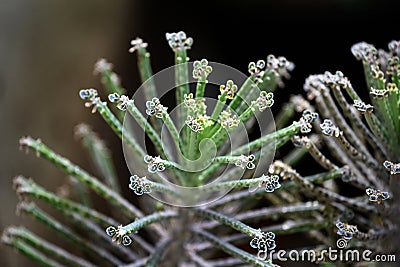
x=48 y=48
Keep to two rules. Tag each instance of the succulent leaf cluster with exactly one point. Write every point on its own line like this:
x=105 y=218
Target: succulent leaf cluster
x=358 y=145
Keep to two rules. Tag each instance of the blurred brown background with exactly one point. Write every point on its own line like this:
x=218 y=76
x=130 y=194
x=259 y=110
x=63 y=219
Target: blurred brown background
x=48 y=48
x=47 y=52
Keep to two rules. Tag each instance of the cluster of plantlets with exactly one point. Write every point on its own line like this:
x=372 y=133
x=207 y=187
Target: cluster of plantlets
x=259 y=209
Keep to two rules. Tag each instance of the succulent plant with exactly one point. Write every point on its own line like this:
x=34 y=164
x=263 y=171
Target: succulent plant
x=208 y=189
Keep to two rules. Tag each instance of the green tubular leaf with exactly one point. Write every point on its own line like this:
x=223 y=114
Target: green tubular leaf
x=66 y=165
x=199 y=260
x=30 y=252
x=226 y=220
x=377 y=129
x=269 y=82
x=285 y=115
x=80 y=192
x=233 y=184
x=149 y=219
x=149 y=130
x=316 y=179
x=241 y=94
x=266 y=151
x=383 y=111
x=231 y=250
x=146 y=73
x=273 y=212
x=182 y=88
x=162 y=188
x=360 y=128
x=174 y=133
x=116 y=126
x=193 y=145
x=63 y=230
x=100 y=154
x=200 y=87
x=247 y=113
x=295 y=156
x=181 y=74
x=248 y=98
x=291 y=131
x=219 y=107
x=338 y=118
x=226 y=262
x=112 y=86
x=146 y=77
x=23 y=235
x=26 y=186
x=155 y=258
x=368 y=76
x=286 y=228
x=394 y=103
